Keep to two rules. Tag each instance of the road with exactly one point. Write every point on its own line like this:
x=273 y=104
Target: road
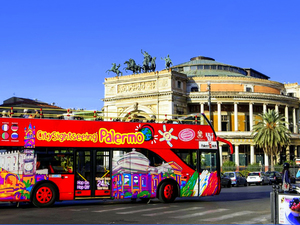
x=236 y=205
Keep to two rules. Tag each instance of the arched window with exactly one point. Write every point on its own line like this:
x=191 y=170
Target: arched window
x=194 y=89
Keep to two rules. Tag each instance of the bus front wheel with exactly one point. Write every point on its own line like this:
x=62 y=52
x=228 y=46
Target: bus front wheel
x=167 y=192
x=44 y=195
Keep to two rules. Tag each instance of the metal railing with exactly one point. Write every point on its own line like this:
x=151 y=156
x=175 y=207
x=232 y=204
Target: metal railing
x=50 y=113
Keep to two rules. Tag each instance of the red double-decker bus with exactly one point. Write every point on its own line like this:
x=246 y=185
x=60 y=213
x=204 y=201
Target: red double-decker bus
x=48 y=160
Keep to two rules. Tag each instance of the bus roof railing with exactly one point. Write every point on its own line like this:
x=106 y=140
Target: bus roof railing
x=79 y=114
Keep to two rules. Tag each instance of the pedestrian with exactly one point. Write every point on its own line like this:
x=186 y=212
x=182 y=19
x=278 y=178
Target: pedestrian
x=4 y=114
x=286 y=183
x=25 y=115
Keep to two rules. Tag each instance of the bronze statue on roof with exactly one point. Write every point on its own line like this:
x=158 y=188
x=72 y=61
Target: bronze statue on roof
x=132 y=66
x=115 y=69
x=168 y=62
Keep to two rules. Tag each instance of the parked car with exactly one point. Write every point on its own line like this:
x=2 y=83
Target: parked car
x=225 y=180
x=275 y=177
x=257 y=178
x=236 y=178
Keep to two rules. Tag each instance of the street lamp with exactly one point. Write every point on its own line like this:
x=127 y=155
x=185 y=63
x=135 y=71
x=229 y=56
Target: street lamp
x=209 y=101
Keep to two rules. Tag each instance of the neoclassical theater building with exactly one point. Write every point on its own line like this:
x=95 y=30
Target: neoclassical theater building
x=236 y=95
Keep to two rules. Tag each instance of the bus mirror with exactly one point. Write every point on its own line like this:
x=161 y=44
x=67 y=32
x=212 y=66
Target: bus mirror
x=227 y=142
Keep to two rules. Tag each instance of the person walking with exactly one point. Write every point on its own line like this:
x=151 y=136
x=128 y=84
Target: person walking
x=286 y=183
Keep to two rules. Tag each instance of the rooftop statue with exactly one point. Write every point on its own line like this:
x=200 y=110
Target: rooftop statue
x=132 y=66
x=146 y=62
x=168 y=62
x=153 y=64
x=115 y=69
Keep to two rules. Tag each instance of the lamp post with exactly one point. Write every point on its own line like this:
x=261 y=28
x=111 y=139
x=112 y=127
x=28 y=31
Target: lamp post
x=209 y=101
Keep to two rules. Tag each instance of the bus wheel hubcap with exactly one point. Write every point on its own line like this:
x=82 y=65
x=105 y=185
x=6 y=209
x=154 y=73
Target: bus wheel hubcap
x=168 y=191
x=44 y=194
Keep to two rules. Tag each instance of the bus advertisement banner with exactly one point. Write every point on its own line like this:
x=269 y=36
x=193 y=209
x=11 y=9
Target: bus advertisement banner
x=65 y=133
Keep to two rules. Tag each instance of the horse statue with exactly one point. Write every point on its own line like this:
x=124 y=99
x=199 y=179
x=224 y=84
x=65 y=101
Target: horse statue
x=138 y=68
x=147 y=60
x=153 y=64
x=115 y=69
x=168 y=62
x=129 y=67
x=132 y=66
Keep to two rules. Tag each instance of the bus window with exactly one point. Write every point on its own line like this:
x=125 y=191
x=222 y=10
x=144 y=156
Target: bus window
x=55 y=161
x=155 y=160
x=208 y=161
x=83 y=165
x=102 y=170
x=188 y=156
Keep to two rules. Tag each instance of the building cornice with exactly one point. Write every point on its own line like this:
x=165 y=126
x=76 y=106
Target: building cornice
x=144 y=76
x=251 y=80
x=146 y=95
x=236 y=96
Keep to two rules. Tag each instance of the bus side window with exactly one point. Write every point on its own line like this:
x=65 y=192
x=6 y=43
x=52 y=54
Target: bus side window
x=55 y=162
x=188 y=156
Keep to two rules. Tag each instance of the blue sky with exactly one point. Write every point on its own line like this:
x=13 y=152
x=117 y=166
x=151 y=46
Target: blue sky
x=59 y=51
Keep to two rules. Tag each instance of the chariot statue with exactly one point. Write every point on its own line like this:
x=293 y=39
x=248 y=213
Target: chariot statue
x=132 y=66
x=146 y=62
x=153 y=64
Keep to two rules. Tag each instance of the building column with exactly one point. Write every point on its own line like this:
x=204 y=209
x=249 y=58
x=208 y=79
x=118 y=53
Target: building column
x=264 y=108
x=236 y=116
x=294 y=121
x=252 y=154
x=237 y=159
x=219 y=117
x=276 y=108
x=266 y=162
x=251 y=115
x=221 y=160
x=287 y=116
x=202 y=107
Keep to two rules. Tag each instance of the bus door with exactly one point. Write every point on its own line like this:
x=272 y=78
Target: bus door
x=92 y=174
x=208 y=164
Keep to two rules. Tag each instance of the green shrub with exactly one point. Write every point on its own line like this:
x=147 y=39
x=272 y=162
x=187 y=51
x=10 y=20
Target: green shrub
x=254 y=167
x=228 y=166
x=244 y=172
x=291 y=162
x=278 y=167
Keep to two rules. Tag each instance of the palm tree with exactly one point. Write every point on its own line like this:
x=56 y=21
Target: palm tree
x=271 y=133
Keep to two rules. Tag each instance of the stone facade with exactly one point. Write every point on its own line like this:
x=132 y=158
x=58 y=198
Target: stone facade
x=237 y=97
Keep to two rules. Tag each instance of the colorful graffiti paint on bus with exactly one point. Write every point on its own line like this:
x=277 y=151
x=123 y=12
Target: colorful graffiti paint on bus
x=133 y=177
x=18 y=175
x=14 y=187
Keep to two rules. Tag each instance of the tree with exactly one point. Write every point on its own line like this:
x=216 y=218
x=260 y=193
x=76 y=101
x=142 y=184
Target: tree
x=271 y=133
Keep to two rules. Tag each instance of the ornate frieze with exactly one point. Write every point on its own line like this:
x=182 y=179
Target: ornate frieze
x=163 y=83
x=137 y=87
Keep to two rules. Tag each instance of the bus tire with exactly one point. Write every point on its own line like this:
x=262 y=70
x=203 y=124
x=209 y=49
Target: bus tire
x=229 y=184
x=145 y=200
x=44 y=195
x=167 y=192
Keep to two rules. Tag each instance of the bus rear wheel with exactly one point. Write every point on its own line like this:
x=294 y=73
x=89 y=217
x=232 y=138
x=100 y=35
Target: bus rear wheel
x=44 y=195
x=167 y=192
